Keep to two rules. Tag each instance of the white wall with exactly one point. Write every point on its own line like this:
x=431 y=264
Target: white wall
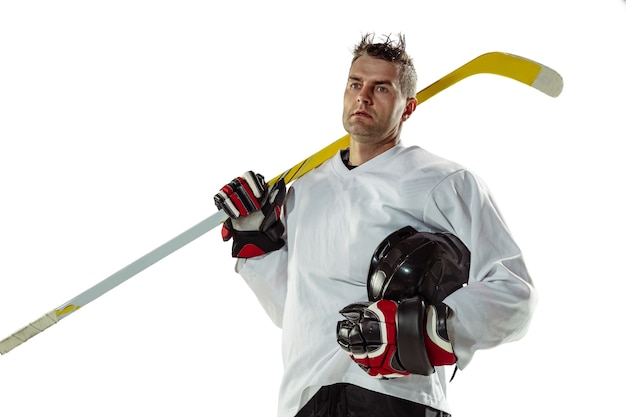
x=119 y=120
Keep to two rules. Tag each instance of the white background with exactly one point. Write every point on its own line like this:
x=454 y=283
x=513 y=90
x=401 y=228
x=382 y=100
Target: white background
x=119 y=120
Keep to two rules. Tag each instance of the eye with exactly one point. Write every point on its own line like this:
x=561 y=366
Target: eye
x=354 y=85
x=381 y=89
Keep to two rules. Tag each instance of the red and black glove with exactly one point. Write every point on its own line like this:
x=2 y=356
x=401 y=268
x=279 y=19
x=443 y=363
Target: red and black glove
x=389 y=339
x=254 y=215
x=369 y=336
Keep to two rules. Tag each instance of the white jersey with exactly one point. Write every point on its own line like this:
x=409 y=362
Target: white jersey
x=335 y=218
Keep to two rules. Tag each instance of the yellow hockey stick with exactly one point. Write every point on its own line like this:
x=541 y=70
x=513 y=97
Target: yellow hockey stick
x=515 y=67
x=521 y=69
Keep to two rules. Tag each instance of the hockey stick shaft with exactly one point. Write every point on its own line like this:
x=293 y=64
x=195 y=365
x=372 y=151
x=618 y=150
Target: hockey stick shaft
x=521 y=69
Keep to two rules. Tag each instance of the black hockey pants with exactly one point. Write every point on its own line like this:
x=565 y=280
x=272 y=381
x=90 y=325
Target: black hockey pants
x=345 y=400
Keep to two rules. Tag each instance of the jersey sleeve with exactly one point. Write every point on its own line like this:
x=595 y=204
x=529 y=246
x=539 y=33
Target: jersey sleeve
x=497 y=304
x=267 y=277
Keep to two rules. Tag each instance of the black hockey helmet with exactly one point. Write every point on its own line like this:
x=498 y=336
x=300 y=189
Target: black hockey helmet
x=409 y=263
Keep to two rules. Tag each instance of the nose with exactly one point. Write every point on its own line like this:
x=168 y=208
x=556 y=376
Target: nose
x=363 y=97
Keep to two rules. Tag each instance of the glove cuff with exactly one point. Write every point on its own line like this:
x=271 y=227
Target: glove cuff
x=438 y=343
x=411 y=344
x=249 y=244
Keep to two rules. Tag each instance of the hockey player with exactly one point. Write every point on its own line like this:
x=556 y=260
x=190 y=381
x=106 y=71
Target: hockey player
x=381 y=266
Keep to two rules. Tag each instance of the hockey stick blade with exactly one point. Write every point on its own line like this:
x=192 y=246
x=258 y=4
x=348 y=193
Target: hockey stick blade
x=511 y=66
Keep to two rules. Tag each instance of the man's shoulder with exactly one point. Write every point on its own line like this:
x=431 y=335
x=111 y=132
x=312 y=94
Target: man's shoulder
x=419 y=159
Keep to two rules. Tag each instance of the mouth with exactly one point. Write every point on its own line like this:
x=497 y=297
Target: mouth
x=362 y=113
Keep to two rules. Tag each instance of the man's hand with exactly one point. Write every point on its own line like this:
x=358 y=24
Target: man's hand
x=254 y=215
x=389 y=339
x=369 y=335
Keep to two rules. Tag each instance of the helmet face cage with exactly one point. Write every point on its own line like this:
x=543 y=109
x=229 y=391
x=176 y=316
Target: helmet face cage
x=410 y=263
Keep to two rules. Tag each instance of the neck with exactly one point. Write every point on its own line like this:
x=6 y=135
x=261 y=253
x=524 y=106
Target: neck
x=361 y=152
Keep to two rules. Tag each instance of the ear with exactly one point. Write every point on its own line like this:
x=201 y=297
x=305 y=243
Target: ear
x=411 y=104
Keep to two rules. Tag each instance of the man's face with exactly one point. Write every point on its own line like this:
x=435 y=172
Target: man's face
x=373 y=105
